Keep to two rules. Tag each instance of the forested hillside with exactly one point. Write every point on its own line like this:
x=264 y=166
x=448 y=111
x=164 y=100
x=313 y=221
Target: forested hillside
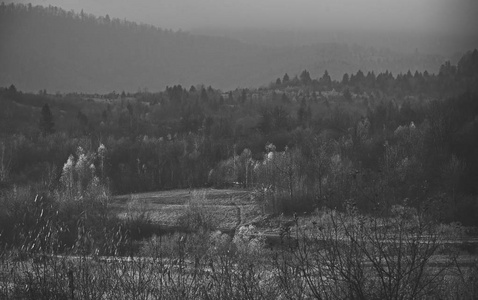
x=49 y=48
x=303 y=142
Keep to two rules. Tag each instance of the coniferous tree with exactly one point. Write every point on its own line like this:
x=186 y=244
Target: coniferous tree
x=46 y=121
x=326 y=80
x=345 y=79
x=12 y=89
x=305 y=77
x=204 y=96
x=286 y=78
x=244 y=95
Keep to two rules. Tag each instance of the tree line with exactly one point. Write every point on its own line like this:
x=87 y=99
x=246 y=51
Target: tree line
x=318 y=143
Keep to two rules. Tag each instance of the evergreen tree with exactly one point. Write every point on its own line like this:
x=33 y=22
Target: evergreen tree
x=326 y=80
x=305 y=77
x=345 y=79
x=46 y=121
x=286 y=78
x=204 y=96
x=244 y=95
x=12 y=90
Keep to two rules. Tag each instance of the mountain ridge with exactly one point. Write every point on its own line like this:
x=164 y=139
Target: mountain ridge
x=50 y=48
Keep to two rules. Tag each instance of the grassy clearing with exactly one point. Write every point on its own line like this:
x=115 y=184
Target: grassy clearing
x=229 y=208
x=182 y=197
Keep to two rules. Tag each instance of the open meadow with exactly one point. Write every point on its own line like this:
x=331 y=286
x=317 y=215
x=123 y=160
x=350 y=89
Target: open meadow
x=227 y=208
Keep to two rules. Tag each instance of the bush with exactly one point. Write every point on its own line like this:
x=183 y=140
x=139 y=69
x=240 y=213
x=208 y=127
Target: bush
x=197 y=217
x=346 y=255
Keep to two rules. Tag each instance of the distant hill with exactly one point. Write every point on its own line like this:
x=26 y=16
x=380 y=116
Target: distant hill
x=49 y=48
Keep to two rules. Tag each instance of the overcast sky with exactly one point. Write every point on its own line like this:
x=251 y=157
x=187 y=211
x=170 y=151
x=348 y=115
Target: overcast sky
x=442 y=16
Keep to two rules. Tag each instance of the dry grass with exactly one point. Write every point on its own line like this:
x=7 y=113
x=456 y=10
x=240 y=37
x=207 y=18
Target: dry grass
x=167 y=207
x=331 y=259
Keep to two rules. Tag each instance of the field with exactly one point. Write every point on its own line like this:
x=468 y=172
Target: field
x=325 y=255
x=228 y=208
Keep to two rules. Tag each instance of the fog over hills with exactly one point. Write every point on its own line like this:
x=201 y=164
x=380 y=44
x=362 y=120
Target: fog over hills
x=448 y=45
x=426 y=17
x=50 y=48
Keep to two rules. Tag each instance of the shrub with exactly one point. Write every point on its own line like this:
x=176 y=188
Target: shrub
x=196 y=216
x=346 y=255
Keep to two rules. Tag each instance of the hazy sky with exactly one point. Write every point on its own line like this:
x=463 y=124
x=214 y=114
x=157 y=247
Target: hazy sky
x=442 y=16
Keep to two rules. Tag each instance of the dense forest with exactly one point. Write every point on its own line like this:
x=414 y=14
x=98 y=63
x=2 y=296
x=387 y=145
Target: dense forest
x=50 y=48
x=300 y=143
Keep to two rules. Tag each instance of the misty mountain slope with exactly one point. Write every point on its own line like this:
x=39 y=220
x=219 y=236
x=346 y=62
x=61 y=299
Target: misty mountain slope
x=49 y=48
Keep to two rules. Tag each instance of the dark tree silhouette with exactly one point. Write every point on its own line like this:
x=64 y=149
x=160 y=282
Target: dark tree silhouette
x=326 y=80
x=286 y=78
x=244 y=95
x=345 y=79
x=12 y=89
x=46 y=121
x=204 y=96
x=305 y=77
